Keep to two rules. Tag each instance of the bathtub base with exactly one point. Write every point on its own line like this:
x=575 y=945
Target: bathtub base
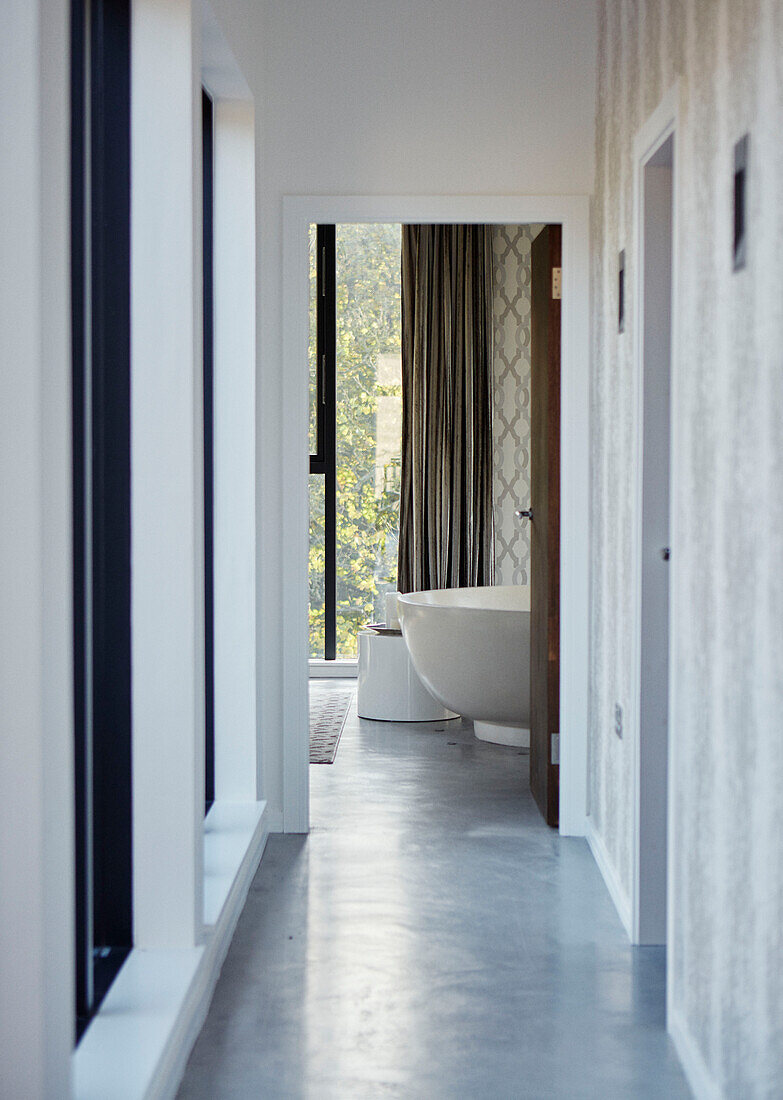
x=515 y=736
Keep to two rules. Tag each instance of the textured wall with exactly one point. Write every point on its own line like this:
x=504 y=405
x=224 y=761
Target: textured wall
x=511 y=399
x=727 y=944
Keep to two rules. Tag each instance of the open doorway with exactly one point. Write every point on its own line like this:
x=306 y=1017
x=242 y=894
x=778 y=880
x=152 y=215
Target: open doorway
x=655 y=207
x=354 y=345
x=572 y=214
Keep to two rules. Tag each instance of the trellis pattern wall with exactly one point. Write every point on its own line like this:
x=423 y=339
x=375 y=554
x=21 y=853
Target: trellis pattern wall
x=511 y=399
x=726 y=949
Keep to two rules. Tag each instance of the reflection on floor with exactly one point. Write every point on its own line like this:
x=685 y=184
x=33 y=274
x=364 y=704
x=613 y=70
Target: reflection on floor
x=432 y=938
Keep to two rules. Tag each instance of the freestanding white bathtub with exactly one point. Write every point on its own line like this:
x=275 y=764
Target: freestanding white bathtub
x=471 y=649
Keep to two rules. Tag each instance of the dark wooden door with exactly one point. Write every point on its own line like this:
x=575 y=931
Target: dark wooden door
x=545 y=524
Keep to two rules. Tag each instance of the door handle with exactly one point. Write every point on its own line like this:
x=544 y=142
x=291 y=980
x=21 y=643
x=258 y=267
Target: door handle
x=524 y=513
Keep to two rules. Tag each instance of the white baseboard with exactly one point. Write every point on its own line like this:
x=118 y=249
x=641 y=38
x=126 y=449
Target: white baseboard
x=622 y=902
x=699 y=1078
x=196 y=1006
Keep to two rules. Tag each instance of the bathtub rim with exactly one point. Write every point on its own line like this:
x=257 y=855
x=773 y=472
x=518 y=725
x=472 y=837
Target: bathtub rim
x=408 y=599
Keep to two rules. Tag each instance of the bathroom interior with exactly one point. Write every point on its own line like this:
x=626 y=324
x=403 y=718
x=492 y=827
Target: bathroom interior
x=434 y=492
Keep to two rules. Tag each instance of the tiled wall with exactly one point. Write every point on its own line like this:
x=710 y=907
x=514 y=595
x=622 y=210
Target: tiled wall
x=511 y=399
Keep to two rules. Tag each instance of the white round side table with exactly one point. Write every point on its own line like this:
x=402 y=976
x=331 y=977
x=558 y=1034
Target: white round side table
x=388 y=687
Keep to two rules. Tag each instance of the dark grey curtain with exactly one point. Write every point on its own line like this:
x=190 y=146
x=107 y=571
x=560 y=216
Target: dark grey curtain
x=446 y=534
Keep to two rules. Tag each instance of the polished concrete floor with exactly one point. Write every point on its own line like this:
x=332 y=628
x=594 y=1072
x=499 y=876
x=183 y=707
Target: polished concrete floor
x=430 y=939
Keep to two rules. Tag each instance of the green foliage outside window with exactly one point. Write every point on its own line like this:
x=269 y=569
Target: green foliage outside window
x=369 y=418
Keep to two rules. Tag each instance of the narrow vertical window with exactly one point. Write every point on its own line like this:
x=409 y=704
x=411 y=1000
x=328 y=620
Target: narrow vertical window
x=100 y=277
x=322 y=461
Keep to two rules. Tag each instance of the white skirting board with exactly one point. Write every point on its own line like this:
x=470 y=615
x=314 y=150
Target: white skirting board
x=194 y=1011
x=138 y=1045
x=694 y=1067
x=699 y=1077
x=618 y=895
x=345 y=669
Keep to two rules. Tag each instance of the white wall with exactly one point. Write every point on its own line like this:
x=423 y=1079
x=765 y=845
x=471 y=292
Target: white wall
x=237 y=763
x=726 y=864
x=167 y=487
x=377 y=98
x=36 y=744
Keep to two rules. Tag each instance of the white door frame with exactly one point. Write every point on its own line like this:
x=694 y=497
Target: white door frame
x=656 y=131
x=572 y=212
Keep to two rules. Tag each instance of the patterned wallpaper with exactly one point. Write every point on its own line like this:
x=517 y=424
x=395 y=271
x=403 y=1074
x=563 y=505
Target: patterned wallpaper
x=511 y=399
x=726 y=948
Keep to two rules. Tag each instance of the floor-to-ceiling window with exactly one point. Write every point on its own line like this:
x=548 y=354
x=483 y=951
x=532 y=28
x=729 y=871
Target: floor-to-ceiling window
x=355 y=429
x=100 y=241
x=208 y=352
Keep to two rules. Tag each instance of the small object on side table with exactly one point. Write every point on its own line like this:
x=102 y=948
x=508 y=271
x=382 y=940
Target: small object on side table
x=392 y=615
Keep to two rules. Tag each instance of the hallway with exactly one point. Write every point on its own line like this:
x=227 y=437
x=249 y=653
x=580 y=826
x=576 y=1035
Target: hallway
x=432 y=938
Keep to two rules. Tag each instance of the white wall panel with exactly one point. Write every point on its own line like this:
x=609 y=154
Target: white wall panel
x=237 y=767
x=36 y=705
x=167 y=494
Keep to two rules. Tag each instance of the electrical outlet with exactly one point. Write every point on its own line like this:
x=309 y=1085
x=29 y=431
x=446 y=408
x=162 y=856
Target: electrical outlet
x=618 y=720
x=557 y=283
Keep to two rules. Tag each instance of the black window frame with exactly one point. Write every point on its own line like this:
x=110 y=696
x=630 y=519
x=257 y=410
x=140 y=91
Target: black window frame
x=208 y=299
x=100 y=288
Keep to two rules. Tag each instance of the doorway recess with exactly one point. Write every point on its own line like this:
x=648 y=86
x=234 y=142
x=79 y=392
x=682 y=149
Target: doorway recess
x=572 y=212
x=655 y=205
